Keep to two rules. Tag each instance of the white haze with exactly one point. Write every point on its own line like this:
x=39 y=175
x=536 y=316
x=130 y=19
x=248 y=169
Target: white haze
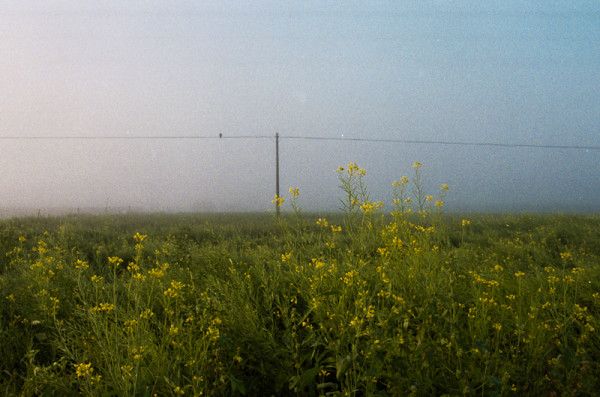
x=511 y=72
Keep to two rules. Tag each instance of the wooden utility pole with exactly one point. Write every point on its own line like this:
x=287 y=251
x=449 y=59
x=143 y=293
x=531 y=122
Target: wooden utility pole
x=277 y=173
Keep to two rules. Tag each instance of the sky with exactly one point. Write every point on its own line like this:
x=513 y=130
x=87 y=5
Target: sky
x=517 y=72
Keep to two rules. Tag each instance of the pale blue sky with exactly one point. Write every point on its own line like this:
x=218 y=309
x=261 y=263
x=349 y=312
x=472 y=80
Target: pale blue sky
x=506 y=71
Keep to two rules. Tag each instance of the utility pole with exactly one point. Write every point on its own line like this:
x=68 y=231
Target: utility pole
x=277 y=173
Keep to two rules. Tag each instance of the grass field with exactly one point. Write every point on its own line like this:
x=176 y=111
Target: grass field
x=412 y=302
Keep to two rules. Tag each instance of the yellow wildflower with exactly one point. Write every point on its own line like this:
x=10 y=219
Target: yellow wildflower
x=317 y=263
x=213 y=333
x=568 y=279
x=115 y=261
x=173 y=290
x=146 y=314
x=96 y=279
x=133 y=267
x=81 y=265
x=103 y=308
x=137 y=353
x=138 y=277
x=130 y=325
x=349 y=277
x=83 y=370
x=126 y=370
x=352 y=167
x=356 y=322
x=368 y=207
x=173 y=330
x=139 y=237
x=566 y=256
x=159 y=272
x=286 y=257
x=278 y=200
x=323 y=222
x=294 y=192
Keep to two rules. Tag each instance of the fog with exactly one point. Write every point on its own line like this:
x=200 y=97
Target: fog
x=510 y=72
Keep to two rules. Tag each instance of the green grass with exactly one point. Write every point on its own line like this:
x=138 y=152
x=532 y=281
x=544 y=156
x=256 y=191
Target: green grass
x=392 y=304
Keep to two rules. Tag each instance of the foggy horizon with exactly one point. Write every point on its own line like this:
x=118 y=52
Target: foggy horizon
x=500 y=72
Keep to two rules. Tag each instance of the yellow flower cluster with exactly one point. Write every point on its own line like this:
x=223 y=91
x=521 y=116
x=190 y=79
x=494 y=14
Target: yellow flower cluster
x=369 y=207
x=401 y=182
x=103 y=308
x=84 y=370
x=286 y=257
x=159 y=271
x=137 y=353
x=278 y=200
x=566 y=256
x=81 y=265
x=139 y=238
x=294 y=192
x=96 y=279
x=130 y=325
x=173 y=290
x=352 y=169
x=146 y=314
x=317 y=263
x=133 y=267
x=477 y=279
x=323 y=222
x=336 y=229
x=115 y=261
x=349 y=277
x=213 y=332
x=173 y=330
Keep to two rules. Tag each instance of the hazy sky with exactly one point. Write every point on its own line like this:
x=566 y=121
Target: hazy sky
x=486 y=71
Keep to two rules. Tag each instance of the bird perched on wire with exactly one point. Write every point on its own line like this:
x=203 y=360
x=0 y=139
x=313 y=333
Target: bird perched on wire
x=220 y=135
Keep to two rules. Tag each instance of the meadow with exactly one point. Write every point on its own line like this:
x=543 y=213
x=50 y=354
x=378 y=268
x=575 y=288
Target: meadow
x=363 y=302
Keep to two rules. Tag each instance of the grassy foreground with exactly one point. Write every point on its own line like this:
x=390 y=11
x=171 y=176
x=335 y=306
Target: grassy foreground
x=364 y=303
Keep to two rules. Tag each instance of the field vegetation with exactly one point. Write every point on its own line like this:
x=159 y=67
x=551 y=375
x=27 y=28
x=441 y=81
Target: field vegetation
x=363 y=302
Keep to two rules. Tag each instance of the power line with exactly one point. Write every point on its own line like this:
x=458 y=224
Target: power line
x=434 y=142
x=129 y=137
x=299 y=137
